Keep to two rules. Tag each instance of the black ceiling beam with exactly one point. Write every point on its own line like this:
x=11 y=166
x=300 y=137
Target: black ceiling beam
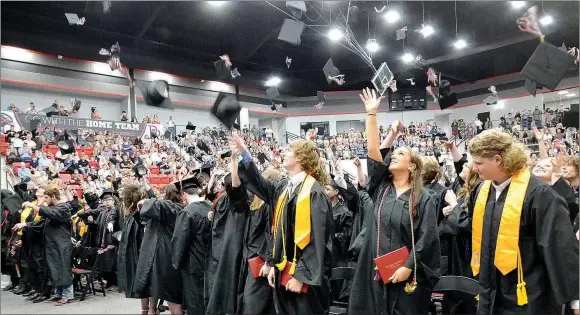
x=149 y=22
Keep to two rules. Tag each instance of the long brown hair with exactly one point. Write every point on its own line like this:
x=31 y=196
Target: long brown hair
x=171 y=193
x=131 y=195
x=415 y=179
x=310 y=160
x=470 y=183
x=431 y=170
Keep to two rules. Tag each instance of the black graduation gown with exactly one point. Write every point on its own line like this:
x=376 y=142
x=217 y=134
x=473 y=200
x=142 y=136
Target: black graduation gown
x=343 y=220
x=314 y=263
x=57 y=243
x=548 y=248
x=128 y=255
x=225 y=261
x=155 y=277
x=568 y=193
x=257 y=297
x=458 y=182
x=91 y=237
x=373 y=297
x=190 y=247
x=105 y=237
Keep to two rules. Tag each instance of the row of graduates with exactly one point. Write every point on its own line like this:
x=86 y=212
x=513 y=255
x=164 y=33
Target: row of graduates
x=46 y=229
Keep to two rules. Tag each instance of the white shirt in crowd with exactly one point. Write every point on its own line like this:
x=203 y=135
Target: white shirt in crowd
x=17 y=142
x=170 y=123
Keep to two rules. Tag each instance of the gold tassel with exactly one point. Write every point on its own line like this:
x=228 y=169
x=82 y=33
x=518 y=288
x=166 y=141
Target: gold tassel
x=410 y=287
x=293 y=267
x=282 y=264
x=542 y=38
x=521 y=292
x=477 y=297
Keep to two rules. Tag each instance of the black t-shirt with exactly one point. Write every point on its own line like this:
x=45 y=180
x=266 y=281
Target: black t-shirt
x=83 y=163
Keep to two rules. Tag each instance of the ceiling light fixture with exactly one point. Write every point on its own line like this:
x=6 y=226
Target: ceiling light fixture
x=217 y=3
x=335 y=34
x=517 y=4
x=407 y=57
x=392 y=16
x=546 y=20
x=427 y=30
x=372 y=45
x=273 y=81
x=460 y=44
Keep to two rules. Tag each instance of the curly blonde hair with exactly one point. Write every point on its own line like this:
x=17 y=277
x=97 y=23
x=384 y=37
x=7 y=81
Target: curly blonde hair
x=493 y=142
x=310 y=160
x=572 y=160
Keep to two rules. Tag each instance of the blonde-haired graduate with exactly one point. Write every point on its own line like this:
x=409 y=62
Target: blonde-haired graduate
x=524 y=252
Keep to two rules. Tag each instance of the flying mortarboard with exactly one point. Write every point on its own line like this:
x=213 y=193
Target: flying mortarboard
x=222 y=69
x=73 y=19
x=330 y=70
x=190 y=126
x=155 y=93
x=445 y=97
x=272 y=92
x=491 y=100
x=546 y=67
x=291 y=31
x=226 y=109
x=382 y=78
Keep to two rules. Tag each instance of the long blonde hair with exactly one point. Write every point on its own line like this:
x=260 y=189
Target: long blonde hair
x=494 y=142
x=310 y=160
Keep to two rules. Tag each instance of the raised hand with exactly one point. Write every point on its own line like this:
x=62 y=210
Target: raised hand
x=538 y=134
x=369 y=98
x=397 y=127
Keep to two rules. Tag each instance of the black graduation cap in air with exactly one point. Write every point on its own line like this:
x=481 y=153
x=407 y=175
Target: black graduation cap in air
x=291 y=31
x=222 y=69
x=330 y=70
x=226 y=109
x=546 y=67
x=491 y=100
x=445 y=97
x=203 y=146
x=188 y=183
x=155 y=93
x=272 y=92
x=190 y=126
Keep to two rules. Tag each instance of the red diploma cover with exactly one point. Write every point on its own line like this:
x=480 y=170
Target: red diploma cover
x=389 y=263
x=256 y=265
x=285 y=277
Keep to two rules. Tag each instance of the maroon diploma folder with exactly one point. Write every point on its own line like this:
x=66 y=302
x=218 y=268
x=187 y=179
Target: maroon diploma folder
x=285 y=277
x=389 y=263
x=256 y=265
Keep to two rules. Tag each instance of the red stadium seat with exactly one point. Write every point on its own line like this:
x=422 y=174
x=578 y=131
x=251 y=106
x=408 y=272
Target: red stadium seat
x=154 y=170
x=65 y=177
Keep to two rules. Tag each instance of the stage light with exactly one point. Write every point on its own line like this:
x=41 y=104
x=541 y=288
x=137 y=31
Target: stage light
x=427 y=30
x=273 y=81
x=517 y=4
x=372 y=45
x=460 y=44
x=407 y=57
x=392 y=16
x=546 y=20
x=217 y=3
x=335 y=34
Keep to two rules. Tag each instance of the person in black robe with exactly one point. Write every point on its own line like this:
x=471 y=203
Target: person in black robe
x=314 y=260
x=108 y=224
x=190 y=246
x=11 y=204
x=155 y=277
x=341 y=239
x=129 y=246
x=227 y=237
x=57 y=242
x=550 y=171
x=21 y=249
x=404 y=217
x=257 y=297
x=547 y=245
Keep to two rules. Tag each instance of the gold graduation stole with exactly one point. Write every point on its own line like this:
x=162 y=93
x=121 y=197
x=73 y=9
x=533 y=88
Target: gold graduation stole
x=302 y=224
x=507 y=252
x=83 y=227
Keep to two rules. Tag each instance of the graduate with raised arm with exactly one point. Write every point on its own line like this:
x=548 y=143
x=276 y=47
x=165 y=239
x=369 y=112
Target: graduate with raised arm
x=404 y=217
x=302 y=227
x=524 y=252
x=190 y=246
